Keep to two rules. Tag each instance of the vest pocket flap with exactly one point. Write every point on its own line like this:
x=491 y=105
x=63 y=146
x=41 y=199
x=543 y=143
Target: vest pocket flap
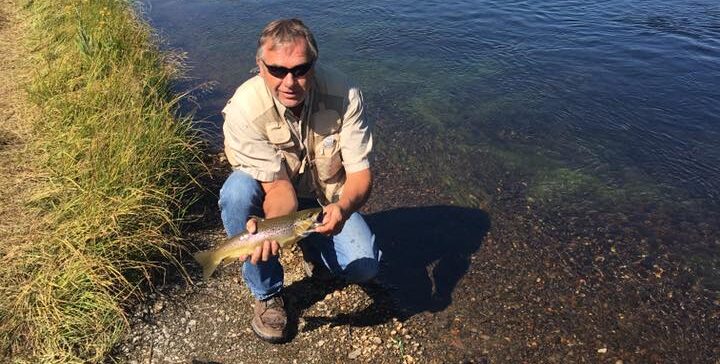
x=280 y=136
x=292 y=162
x=325 y=122
x=328 y=166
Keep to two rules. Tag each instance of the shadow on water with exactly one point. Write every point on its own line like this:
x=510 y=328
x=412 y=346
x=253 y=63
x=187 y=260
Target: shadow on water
x=426 y=251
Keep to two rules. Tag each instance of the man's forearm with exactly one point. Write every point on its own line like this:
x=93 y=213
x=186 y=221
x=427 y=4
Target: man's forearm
x=356 y=191
x=279 y=198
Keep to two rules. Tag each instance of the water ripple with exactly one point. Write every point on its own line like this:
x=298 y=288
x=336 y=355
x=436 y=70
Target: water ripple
x=608 y=86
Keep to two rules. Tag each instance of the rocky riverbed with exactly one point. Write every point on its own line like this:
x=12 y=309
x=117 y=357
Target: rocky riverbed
x=516 y=283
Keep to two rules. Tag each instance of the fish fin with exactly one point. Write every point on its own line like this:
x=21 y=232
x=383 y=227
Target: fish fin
x=208 y=262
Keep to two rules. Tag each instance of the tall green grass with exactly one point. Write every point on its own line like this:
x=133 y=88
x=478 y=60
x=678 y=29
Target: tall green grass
x=118 y=172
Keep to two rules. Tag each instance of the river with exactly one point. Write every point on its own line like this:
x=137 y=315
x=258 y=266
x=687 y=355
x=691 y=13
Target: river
x=611 y=105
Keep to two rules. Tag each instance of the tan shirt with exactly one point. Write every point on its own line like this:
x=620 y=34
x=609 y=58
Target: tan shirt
x=246 y=142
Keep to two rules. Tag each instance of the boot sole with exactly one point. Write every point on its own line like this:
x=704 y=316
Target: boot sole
x=270 y=339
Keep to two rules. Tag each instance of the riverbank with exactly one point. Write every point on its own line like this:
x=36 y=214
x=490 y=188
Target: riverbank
x=97 y=173
x=19 y=174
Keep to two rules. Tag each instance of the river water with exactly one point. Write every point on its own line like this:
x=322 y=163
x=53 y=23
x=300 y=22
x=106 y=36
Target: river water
x=602 y=104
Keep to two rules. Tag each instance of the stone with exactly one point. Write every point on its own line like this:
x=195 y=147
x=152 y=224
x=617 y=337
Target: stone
x=354 y=354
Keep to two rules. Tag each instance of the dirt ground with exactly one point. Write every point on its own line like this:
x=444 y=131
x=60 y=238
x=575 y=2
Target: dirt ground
x=16 y=175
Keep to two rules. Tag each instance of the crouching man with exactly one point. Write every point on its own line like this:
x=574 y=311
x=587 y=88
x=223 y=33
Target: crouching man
x=295 y=136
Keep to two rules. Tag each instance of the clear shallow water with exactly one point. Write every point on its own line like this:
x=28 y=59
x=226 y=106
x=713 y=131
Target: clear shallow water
x=602 y=105
x=620 y=91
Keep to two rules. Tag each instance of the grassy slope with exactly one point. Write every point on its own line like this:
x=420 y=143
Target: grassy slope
x=116 y=171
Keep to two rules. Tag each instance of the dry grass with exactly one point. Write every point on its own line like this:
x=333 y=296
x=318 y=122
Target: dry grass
x=96 y=172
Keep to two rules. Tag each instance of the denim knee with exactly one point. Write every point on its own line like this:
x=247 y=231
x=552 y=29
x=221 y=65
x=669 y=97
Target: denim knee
x=239 y=189
x=240 y=196
x=361 y=270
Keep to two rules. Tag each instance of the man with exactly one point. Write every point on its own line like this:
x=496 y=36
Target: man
x=295 y=135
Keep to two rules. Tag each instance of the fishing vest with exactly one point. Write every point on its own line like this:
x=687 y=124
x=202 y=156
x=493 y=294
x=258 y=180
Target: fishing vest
x=318 y=160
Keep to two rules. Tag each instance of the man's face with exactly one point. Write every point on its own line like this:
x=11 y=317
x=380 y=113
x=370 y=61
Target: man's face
x=289 y=89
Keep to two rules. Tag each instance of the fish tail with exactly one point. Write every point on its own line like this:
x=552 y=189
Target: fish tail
x=208 y=262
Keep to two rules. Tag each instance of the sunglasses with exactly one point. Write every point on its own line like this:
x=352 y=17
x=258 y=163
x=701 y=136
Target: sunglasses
x=297 y=71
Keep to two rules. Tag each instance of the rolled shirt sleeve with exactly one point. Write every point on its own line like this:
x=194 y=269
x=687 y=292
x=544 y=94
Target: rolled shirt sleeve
x=247 y=149
x=356 y=135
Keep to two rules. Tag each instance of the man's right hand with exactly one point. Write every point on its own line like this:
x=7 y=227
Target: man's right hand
x=268 y=248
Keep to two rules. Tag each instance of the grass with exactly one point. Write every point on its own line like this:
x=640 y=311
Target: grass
x=118 y=172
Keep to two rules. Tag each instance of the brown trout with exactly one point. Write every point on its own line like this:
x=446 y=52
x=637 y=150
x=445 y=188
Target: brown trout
x=286 y=230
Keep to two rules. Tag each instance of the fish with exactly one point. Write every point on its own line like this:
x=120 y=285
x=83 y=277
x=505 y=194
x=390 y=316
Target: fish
x=286 y=230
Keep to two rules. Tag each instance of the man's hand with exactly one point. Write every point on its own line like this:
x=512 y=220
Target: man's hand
x=333 y=220
x=355 y=193
x=279 y=200
x=268 y=248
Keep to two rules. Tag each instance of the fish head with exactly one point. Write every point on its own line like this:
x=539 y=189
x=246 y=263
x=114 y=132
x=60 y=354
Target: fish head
x=307 y=220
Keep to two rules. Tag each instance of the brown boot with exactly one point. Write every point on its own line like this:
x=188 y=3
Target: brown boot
x=270 y=319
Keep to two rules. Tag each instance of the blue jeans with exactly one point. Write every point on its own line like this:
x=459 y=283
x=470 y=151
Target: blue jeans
x=352 y=254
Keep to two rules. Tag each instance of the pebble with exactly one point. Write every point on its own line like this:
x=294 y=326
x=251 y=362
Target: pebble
x=158 y=306
x=376 y=340
x=354 y=354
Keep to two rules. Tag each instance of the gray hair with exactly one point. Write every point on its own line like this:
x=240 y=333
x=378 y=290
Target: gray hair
x=284 y=31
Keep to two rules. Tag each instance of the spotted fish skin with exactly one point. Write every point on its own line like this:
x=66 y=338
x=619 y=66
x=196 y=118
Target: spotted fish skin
x=286 y=230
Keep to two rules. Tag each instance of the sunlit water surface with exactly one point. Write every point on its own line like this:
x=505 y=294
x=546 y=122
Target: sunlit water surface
x=621 y=98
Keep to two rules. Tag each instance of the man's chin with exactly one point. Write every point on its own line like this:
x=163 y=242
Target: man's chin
x=289 y=103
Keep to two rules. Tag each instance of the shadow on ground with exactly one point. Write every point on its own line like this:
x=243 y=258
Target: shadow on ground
x=426 y=251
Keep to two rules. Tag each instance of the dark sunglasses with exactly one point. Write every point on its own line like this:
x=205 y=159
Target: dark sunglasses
x=297 y=71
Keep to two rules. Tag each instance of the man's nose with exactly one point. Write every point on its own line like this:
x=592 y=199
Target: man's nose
x=289 y=80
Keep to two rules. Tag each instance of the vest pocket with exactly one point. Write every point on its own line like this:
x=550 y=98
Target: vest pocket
x=331 y=175
x=326 y=122
x=292 y=163
x=325 y=140
x=280 y=136
x=328 y=165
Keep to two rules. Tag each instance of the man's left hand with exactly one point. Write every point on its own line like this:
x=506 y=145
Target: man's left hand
x=333 y=220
